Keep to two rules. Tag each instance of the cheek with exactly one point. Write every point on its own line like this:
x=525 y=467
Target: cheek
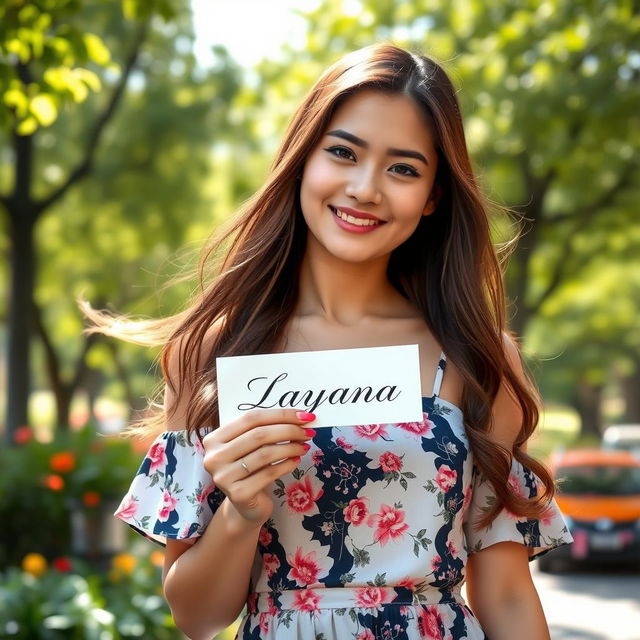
x=318 y=182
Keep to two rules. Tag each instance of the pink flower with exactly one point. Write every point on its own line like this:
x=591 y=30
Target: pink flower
x=418 y=428
x=515 y=486
x=390 y=462
x=436 y=561
x=408 y=583
x=343 y=444
x=265 y=537
x=365 y=635
x=168 y=505
x=304 y=569
x=371 y=431
x=273 y=609
x=429 y=623
x=467 y=498
x=204 y=494
x=127 y=508
x=271 y=563
x=356 y=511
x=372 y=597
x=306 y=600
x=316 y=456
x=265 y=620
x=446 y=477
x=157 y=456
x=389 y=522
x=300 y=495
x=251 y=602
x=452 y=549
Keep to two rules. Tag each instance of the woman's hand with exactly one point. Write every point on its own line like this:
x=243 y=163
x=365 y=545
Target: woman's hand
x=254 y=439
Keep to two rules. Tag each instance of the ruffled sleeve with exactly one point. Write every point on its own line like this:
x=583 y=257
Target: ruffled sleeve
x=172 y=495
x=539 y=535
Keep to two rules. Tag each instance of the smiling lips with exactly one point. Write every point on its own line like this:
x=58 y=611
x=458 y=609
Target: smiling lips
x=355 y=221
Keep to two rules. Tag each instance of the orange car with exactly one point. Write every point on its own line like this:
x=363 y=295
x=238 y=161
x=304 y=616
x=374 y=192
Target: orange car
x=599 y=495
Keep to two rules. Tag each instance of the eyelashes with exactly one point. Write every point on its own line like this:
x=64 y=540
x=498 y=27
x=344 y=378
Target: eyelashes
x=344 y=153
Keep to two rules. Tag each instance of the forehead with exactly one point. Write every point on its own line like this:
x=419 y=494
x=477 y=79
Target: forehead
x=383 y=119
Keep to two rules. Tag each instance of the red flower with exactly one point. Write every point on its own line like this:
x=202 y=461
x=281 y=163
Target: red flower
x=418 y=428
x=306 y=600
x=429 y=623
x=265 y=537
x=62 y=564
x=91 y=498
x=371 y=431
x=53 y=482
x=127 y=508
x=390 y=462
x=271 y=563
x=157 y=456
x=389 y=522
x=22 y=435
x=62 y=462
x=372 y=597
x=446 y=477
x=356 y=511
x=343 y=444
x=300 y=495
x=304 y=569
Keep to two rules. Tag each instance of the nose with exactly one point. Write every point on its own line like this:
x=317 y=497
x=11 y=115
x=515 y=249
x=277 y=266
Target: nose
x=363 y=187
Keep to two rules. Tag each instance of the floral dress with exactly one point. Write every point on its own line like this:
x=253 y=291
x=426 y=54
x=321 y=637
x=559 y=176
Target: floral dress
x=369 y=535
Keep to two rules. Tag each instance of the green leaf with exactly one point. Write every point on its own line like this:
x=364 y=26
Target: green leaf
x=44 y=108
x=27 y=126
x=96 y=49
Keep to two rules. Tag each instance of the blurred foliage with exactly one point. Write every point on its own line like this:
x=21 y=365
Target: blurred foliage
x=44 y=482
x=69 y=600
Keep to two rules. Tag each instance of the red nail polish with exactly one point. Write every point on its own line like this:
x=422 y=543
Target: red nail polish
x=305 y=415
x=310 y=432
x=306 y=447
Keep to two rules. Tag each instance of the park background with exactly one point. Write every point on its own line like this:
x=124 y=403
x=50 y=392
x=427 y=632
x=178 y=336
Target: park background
x=130 y=129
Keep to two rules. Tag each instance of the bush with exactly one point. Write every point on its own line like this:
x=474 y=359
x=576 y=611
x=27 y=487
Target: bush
x=68 y=601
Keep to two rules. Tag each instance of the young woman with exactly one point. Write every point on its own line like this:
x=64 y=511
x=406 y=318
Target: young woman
x=369 y=231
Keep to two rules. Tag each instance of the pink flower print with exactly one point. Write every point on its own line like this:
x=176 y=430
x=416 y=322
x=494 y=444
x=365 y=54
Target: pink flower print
x=436 y=561
x=251 y=602
x=372 y=597
x=265 y=537
x=273 y=609
x=467 y=498
x=127 y=508
x=418 y=428
x=429 y=623
x=452 y=549
x=356 y=511
x=300 y=495
x=157 y=456
x=547 y=517
x=204 y=494
x=306 y=600
x=365 y=635
x=408 y=583
x=198 y=445
x=389 y=523
x=168 y=505
x=344 y=445
x=446 y=477
x=271 y=563
x=390 y=462
x=371 y=431
x=515 y=486
x=265 y=621
x=316 y=456
x=304 y=569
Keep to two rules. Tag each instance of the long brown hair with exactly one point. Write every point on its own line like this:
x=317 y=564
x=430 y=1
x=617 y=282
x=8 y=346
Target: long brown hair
x=449 y=269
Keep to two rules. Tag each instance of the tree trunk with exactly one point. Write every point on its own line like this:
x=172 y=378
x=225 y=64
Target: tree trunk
x=631 y=393
x=587 y=402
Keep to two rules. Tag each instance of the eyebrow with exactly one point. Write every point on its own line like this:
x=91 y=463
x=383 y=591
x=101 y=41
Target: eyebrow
x=392 y=151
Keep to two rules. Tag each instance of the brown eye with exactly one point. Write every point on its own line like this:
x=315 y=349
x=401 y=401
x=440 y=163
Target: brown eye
x=341 y=152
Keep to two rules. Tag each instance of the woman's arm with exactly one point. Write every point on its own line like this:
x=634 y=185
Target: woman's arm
x=502 y=595
x=499 y=586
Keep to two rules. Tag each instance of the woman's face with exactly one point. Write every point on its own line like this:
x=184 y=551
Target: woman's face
x=370 y=179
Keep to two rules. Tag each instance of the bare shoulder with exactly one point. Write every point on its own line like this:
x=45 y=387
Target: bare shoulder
x=178 y=392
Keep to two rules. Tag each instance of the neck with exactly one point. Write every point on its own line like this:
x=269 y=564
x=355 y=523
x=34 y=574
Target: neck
x=346 y=293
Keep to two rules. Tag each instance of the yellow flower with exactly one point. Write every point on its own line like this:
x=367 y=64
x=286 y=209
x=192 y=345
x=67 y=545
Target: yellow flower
x=157 y=558
x=35 y=564
x=124 y=562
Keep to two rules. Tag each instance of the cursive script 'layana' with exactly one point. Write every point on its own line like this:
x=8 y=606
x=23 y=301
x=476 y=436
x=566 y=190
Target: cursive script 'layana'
x=311 y=400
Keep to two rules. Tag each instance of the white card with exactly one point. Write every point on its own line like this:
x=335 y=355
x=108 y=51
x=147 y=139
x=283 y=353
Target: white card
x=374 y=385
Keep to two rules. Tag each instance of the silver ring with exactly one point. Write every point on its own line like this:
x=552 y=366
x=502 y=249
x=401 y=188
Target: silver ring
x=245 y=466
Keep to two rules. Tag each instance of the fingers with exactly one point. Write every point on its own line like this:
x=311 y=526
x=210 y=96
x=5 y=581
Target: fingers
x=260 y=417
